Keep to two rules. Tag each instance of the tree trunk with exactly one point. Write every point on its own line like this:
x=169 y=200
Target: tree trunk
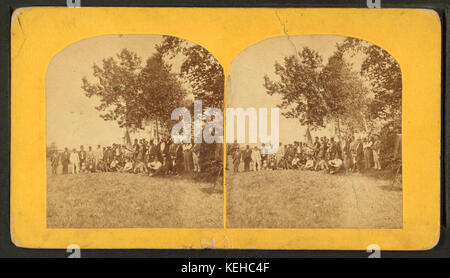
x=365 y=123
x=157 y=131
x=339 y=129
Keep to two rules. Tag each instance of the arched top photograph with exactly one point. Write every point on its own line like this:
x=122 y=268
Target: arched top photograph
x=335 y=121
x=109 y=104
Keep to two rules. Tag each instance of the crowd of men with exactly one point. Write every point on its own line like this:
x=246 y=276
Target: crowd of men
x=353 y=154
x=142 y=157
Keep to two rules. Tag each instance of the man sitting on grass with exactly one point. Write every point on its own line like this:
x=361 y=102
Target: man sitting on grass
x=282 y=163
x=164 y=169
x=128 y=168
x=296 y=162
x=321 y=165
x=101 y=166
x=140 y=168
x=335 y=165
x=156 y=168
x=114 y=166
x=272 y=162
x=154 y=165
x=310 y=163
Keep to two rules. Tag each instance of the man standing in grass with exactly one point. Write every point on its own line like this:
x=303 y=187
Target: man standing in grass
x=236 y=159
x=376 y=147
x=90 y=160
x=195 y=157
x=82 y=156
x=55 y=162
x=98 y=155
x=247 y=157
x=65 y=158
x=187 y=155
x=256 y=159
x=74 y=162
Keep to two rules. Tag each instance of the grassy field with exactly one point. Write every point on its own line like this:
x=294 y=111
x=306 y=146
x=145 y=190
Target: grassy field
x=306 y=199
x=117 y=200
x=266 y=199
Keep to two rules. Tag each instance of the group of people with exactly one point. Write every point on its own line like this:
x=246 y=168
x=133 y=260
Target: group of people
x=353 y=154
x=142 y=157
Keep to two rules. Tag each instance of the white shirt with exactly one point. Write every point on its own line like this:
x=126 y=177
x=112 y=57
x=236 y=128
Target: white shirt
x=309 y=164
x=264 y=150
x=128 y=166
x=336 y=163
x=74 y=158
x=154 y=165
x=114 y=163
x=99 y=154
x=367 y=144
x=256 y=156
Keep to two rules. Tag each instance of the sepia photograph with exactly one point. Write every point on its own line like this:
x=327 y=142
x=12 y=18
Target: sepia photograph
x=111 y=159
x=176 y=128
x=332 y=158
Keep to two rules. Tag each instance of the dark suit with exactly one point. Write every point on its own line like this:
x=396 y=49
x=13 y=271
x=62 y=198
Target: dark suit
x=247 y=157
x=360 y=156
x=65 y=159
x=180 y=159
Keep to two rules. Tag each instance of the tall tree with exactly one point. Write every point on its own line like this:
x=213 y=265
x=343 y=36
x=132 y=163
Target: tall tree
x=199 y=67
x=384 y=75
x=161 y=91
x=117 y=88
x=299 y=88
x=131 y=94
x=344 y=92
